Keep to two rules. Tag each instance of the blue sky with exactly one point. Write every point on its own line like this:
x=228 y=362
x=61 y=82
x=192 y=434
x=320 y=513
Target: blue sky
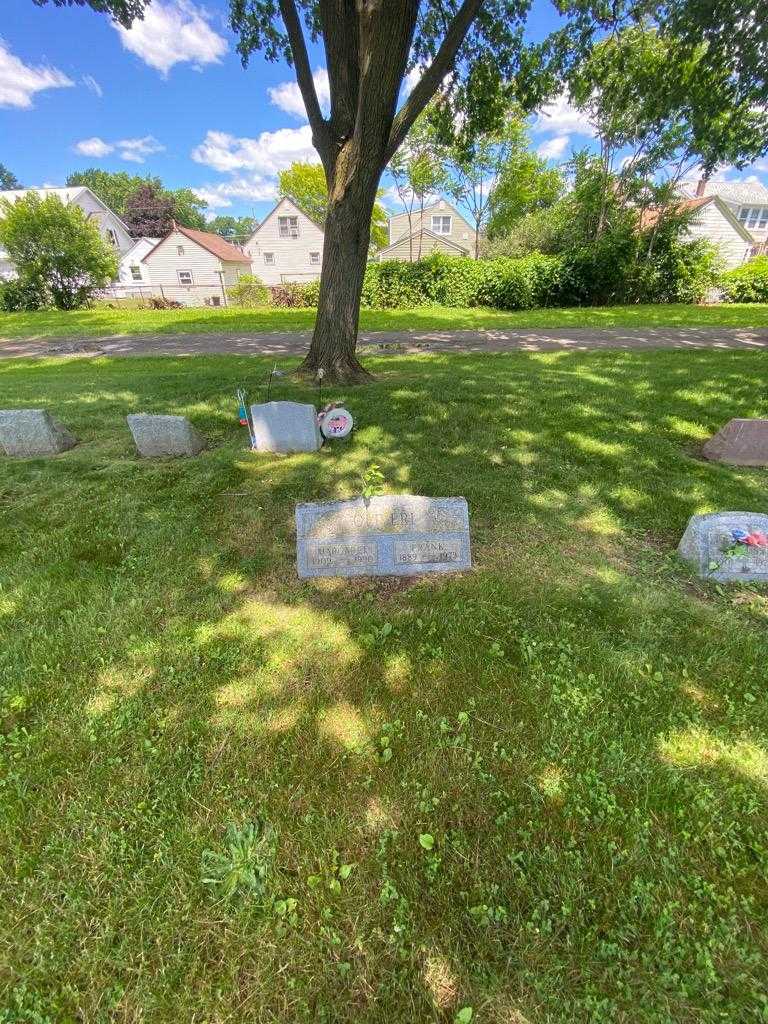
x=171 y=98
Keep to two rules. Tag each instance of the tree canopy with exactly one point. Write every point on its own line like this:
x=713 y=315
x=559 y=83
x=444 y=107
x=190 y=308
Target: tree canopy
x=237 y=229
x=58 y=253
x=116 y=189
x=8 y=179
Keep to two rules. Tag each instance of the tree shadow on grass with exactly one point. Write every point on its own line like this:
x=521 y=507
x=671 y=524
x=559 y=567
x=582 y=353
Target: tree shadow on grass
x=579 y=727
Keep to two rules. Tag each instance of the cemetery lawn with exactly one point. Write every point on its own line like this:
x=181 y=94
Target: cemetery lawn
x=536 y=790
x=104 y=321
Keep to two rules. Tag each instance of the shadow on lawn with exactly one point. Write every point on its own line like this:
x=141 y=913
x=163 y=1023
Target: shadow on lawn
x=578 y=646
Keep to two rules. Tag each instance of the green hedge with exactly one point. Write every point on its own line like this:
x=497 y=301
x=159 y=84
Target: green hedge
x=748 y=283
x=614 y=270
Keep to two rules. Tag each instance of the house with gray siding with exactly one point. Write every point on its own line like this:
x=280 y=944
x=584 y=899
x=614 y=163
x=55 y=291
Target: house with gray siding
x=439 y=227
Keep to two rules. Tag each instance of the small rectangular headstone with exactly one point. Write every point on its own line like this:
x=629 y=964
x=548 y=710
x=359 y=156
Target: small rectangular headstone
x=728 y=547
x=26 y=433
x=164 y=436
x=389 y=535
x=285 y=427
x=741 y=442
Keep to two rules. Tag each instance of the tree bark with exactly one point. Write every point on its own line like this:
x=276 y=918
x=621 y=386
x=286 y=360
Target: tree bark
x=345 y=254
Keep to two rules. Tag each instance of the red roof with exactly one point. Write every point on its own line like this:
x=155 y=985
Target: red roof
x=650 y=216
x=214 y=244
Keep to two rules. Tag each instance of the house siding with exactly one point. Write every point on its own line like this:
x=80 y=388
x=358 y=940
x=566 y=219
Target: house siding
x=414 y=248
x=291 y=255
x=164 y=264
x=104 y=219
x=134 y=258
x=462 y=233
x=710 y=224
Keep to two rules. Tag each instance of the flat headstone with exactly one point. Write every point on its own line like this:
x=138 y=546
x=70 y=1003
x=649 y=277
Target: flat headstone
x=285 y=427
x=26 y=433
x=161 y=436
x=709 y=545
x=740 y=443
x=389 y=535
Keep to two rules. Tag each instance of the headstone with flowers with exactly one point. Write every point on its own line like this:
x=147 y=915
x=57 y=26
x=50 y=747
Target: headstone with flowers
x=728 y=547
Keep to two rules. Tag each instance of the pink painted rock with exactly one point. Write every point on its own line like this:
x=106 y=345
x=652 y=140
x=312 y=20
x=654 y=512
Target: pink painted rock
x=740 y=443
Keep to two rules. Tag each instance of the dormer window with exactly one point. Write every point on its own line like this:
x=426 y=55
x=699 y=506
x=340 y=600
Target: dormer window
x=441 y=225
x=288 y=227
x=754 y=216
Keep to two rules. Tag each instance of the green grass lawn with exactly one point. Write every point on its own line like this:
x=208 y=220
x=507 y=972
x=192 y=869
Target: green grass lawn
x=175 y=321
x=571 y=825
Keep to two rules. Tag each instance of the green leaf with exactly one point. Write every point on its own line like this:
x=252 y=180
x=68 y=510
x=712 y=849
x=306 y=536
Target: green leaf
x=345 y=871
x=465 y=1015
x=427 y=842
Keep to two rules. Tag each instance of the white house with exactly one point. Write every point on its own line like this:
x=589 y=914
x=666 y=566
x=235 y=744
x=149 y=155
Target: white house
x=132 y=271
x=747 y=200
x=195 y=267
x=714 y=221
x=286 y=246
x=109 y=224
x=439 y=227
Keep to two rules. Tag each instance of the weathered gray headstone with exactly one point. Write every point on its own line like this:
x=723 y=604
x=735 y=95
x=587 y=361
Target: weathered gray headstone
x=285 y=427
x=710 y=546
x=26 y=433
x=159 y=436
x=740 y=443
x=389 y=535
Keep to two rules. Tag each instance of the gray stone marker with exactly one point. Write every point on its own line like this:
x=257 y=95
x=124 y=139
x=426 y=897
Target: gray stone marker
x=159 y=436
x=26 y=433
x=389 y=535
x=740 y=443
x=709 y=546
x=285 y=427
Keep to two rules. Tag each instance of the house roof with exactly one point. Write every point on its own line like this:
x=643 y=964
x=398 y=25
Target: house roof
x=424 y=231
x=214 y=244
x=740 y=192
x=275 y=208
x=650 y=216
x=66 y=195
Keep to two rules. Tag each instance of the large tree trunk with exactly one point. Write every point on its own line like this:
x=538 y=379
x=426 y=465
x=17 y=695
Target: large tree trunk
x=345 y=253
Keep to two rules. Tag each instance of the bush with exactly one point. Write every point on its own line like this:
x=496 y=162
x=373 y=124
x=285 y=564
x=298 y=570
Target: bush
x=748 y=283
x=18 y=294
x=249 y=292
x=295 y=295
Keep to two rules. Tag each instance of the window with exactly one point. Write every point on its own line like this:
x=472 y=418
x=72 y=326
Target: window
x=288 y=227
x=135 y=272
x=112 y=236
x=763 y=217
x=441 y=225
x=269 y=259
x=215 y=300
x=314 y=258
x=185 y=277
x=179 y=250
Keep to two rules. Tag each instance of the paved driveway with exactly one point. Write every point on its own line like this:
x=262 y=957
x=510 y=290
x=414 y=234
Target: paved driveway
x=397 y=342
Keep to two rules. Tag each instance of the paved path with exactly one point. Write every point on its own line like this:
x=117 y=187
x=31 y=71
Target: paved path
x=396 y=342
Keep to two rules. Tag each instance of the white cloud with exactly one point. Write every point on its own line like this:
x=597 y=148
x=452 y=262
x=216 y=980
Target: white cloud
x=90 y=83
x=268 y=154
x=554 y=148
x=562 y=117
x=133 y=150
x=173 y=33
x=19 y=82
x=253 y=188
x=287 y=95
x=94 y=147
x=137 y=150
x=411 y=79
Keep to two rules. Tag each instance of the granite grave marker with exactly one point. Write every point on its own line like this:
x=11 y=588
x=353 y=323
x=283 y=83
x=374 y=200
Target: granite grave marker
x=741 y=442
x=164 y=436
x=27 y=433
x=728 y=547
x=285 y=427
x=388 y=535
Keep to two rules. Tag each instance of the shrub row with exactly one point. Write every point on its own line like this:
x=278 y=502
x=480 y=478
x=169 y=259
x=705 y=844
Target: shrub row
x=748 y=283
x=614 y=270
